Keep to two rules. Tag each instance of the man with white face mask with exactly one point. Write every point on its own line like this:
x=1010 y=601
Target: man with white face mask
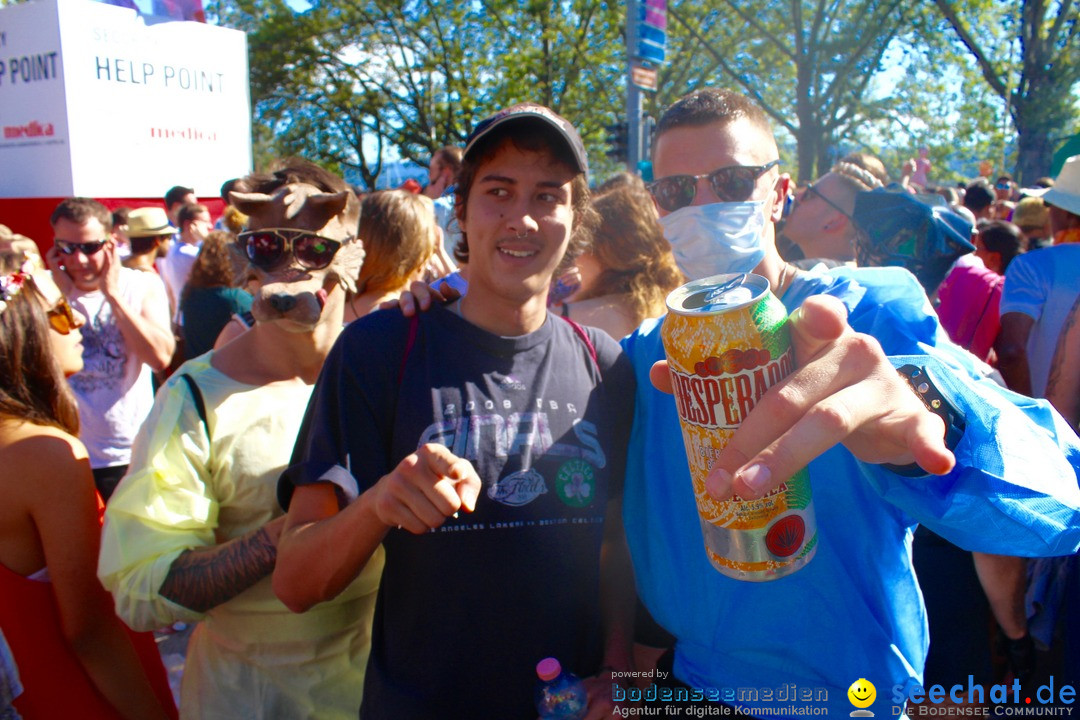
x=854 y=611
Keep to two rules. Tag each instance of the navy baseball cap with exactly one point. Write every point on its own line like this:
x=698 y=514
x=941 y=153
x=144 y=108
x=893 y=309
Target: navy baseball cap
x=532 y=111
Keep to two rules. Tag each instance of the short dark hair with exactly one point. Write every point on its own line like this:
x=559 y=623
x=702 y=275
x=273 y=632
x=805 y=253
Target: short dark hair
x=190 y=212
x=227 y=187
x=81 y=210
x=1003 y=238
x=978 y=196
x=176 y=194
x=709 y=106
x=527 y=135
x=120 y=216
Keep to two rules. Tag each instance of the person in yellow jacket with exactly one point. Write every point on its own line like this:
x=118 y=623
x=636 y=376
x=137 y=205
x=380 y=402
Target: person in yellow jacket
x=191 y=532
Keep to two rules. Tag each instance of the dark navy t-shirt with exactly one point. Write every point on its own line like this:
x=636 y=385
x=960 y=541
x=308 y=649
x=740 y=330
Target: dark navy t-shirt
x=466 y=611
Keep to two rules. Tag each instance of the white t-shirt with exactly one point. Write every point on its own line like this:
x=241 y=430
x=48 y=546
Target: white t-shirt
x=175 y=268
x=114 y=390
x=447 y=220
x=1043 y=284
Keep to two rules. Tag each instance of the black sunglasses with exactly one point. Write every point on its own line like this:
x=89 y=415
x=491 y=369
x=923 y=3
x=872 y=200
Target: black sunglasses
x=267 y=248
x=810 y=189
x=87 y=248
x=734 y=183
x=61 y=318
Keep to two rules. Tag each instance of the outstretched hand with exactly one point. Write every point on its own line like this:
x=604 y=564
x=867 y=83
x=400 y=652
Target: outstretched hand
x=426 y=488
x=844 y=390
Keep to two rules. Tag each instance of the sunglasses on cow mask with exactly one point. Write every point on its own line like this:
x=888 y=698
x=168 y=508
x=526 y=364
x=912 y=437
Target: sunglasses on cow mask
x=269 y=248
x=734 y=183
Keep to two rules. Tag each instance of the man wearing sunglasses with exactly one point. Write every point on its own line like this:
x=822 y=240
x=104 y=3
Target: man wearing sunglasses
x=820 y=222
x=126 y=338
x=879 y=458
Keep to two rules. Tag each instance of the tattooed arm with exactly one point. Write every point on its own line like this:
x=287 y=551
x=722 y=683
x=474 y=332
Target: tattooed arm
x=204 y=578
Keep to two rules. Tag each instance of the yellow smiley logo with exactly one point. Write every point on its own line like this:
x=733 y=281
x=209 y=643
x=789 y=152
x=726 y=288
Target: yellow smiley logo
x=862 y=693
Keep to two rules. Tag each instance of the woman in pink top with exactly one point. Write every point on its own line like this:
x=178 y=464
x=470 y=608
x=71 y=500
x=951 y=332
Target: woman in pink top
x=970 y=294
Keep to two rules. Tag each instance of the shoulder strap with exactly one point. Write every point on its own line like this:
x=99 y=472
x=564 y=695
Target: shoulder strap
x=200 y=405
x=414 y=324
x=580 y=332
x=247 y=317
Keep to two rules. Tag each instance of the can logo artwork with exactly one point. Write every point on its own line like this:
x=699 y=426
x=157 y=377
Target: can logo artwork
x=727 y=342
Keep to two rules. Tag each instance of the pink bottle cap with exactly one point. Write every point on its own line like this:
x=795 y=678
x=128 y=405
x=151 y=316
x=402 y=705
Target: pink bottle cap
x=548 y=669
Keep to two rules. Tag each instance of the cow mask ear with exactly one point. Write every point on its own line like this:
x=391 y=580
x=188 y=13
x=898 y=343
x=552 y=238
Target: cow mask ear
x=347 y=264
x=249 y=203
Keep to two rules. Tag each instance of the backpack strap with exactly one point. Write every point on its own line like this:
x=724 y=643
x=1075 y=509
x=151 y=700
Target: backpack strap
x=200 y=405
x=580 y=332
x=414 y=324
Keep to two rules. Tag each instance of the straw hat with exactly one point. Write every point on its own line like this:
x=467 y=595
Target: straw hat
x=149 y=222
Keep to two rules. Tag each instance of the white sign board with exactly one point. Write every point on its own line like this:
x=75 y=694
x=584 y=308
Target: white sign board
x=93 y=101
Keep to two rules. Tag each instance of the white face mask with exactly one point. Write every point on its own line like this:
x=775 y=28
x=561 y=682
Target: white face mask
x=717 y=238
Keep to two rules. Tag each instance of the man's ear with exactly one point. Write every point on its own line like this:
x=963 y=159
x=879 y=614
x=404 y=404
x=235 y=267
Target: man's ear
x=780 y=193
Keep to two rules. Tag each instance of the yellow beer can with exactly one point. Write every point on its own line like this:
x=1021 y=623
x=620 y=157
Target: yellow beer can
x=727 y=341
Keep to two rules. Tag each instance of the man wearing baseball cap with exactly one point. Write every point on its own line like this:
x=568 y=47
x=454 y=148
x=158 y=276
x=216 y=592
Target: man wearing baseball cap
x=1040 y=289
x=482 y=444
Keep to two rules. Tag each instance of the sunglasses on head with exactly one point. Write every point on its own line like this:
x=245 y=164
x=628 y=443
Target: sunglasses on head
x=811 y=190
x=61 y=318
x=269 y=247
x=87 y=248
x=734 y=183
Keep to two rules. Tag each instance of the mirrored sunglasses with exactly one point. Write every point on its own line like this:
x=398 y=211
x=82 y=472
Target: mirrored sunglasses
x=268 y=248
x=87 y=248
x=61 y=318
x=734 y=183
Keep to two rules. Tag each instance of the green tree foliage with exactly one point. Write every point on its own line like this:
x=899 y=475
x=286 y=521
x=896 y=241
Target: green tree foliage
x=934 y=97
x=808 y=63
x=416 y=75
x=1028 y=54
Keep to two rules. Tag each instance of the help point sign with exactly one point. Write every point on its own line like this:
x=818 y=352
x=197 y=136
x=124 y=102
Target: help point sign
x=94 y=101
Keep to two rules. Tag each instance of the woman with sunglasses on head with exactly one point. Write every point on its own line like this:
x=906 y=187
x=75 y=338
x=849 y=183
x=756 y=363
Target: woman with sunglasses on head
x=73 y=655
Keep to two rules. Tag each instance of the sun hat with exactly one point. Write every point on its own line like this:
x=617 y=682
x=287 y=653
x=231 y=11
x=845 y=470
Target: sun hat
x=1030 y=213
x=148 y=222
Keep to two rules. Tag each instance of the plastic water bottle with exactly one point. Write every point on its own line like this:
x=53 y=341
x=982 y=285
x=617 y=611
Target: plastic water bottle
x=559 y=695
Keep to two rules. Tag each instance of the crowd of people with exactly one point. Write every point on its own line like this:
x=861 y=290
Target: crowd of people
x=490 y=469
